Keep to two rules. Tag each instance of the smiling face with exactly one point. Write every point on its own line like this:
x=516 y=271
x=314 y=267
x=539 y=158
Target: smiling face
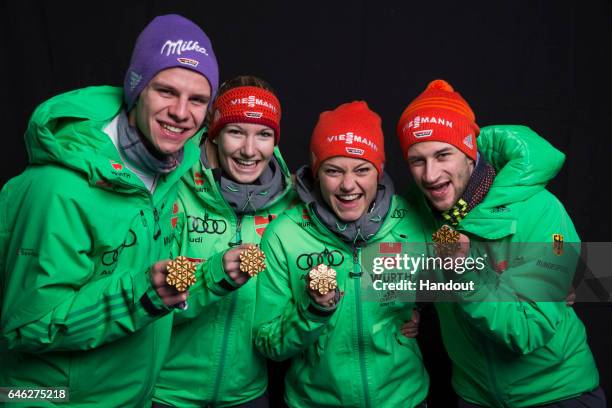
x=348 y=186
x=244 y=150
x=171 y=108
x=441 y=171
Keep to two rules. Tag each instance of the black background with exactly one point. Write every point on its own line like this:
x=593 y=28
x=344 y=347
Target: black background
x=545 y=64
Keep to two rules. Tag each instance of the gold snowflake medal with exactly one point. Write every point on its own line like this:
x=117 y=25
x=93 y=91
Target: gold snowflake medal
x=446 y=241
x=322 y=279
x=181 y=273
x=252 y=260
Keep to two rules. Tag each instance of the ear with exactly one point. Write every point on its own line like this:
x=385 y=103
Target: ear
x=211 y=153
x=471 y=165
x=132 y=115
x=313 y=160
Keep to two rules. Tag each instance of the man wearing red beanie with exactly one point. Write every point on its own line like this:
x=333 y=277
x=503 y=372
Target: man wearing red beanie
x=514 y=353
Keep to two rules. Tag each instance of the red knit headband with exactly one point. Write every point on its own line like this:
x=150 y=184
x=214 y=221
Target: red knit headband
x=246 y=104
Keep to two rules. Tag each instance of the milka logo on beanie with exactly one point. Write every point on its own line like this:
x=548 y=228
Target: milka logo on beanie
x=251 y=101
x=350 y=137
x=180 y=46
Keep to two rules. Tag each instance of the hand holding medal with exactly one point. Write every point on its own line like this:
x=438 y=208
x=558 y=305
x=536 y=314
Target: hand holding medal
x=252 y=260
x=446 y=241
x=323 y=286
x=181 y=273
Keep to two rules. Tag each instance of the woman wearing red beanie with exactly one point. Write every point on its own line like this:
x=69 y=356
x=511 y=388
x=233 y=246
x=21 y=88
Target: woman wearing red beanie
x=344 y=351
x=241 y=184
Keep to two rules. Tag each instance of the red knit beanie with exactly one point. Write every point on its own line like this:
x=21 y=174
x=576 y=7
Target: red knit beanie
x=439 y=114
x=246 y=104
x=351 y=130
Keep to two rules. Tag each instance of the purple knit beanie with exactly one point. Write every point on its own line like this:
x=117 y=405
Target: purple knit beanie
x=169 y=41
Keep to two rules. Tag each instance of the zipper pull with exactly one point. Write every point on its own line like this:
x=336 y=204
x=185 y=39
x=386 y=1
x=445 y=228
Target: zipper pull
x=356 y=272
x=143 y=219
x=238 y=237
x=157 y=228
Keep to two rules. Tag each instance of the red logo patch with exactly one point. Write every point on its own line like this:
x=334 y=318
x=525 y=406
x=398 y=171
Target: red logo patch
x=198 y=179
x=261 y=223
x=305 y=215
x=501 y=266
x=117 y=166
x=175 y=210
x=104 y=183
x=390 y=248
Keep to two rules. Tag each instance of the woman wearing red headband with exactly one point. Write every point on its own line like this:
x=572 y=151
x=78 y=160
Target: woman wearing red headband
x=226 y=203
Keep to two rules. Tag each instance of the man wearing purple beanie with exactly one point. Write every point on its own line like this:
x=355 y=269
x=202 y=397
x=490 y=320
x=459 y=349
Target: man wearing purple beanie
x=86 y=230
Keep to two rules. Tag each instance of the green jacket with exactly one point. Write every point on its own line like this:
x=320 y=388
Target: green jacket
x=355 y=356
x=212 y=342
x=518 y=353
x=78 y=234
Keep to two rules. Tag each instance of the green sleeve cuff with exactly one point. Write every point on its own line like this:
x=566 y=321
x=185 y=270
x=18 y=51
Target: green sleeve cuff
x=150 y=300
x=215 y=277
x=312 y=311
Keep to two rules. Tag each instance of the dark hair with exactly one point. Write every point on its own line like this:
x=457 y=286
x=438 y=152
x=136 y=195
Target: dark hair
x=244 y=80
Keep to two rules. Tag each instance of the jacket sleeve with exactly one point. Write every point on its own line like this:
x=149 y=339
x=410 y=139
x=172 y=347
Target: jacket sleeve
x=286 y=320
x=522 y=307
x=52 y=298
x=212 y=283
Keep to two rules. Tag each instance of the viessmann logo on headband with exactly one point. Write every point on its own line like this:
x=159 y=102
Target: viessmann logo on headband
x=251 y=101
x=350 y=138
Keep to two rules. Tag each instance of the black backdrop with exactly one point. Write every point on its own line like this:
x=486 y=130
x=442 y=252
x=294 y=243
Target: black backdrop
x=545 y=64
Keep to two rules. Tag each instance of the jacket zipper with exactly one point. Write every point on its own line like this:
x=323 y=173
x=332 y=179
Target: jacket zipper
x=146 y=225
x=356 y=275
x=228 y=320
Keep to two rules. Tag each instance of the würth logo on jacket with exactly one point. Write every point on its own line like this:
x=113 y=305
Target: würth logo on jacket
x=261 y=223
x=350 y=138
x=306 y=221
x=116 y=166
x=199 y=180
x=119 y=170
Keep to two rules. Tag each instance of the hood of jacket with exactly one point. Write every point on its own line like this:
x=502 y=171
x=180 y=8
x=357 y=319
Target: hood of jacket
x=204 y=181
x=524 y=162
x=68 y=130
x=358 y=231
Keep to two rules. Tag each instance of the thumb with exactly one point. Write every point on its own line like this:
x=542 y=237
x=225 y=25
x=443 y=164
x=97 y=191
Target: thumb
x=160 y=267
x=158 y=272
